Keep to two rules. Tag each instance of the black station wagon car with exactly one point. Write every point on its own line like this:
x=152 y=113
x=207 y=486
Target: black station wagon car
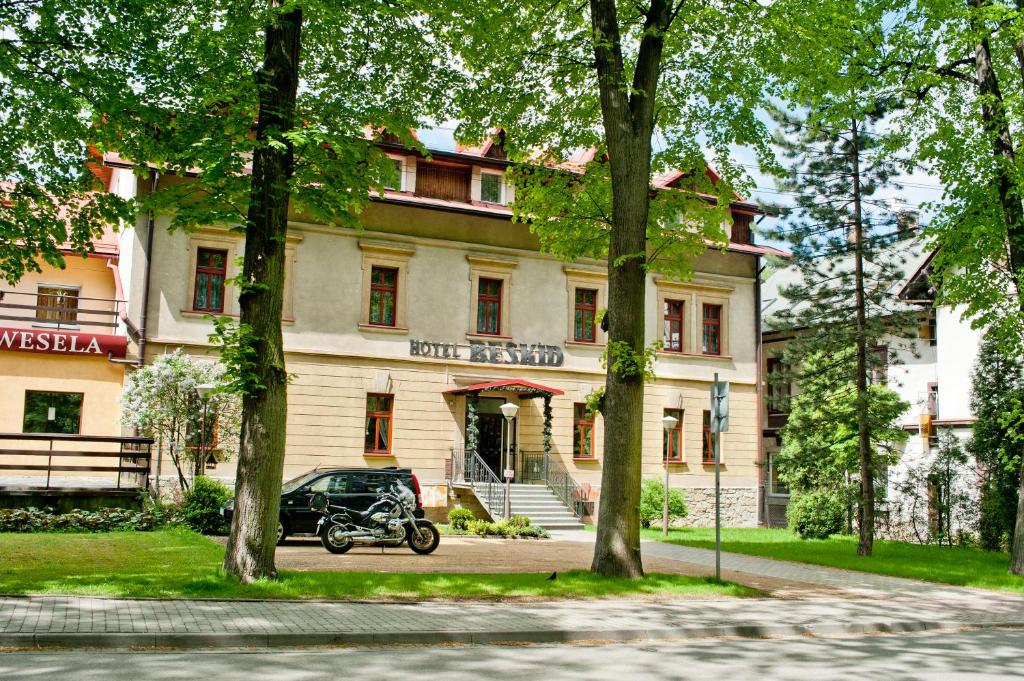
x=355 y=488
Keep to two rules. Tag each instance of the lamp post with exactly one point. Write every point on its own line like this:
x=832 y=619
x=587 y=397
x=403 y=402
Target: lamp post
x=205 y=392
x=668 y=423
x=509 y=411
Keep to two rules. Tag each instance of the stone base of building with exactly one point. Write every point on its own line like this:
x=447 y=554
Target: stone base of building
x=739 y=507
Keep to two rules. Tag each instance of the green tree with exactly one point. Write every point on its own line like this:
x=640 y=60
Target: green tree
x=964 y=63
x=558 y=77
x=848 y=256
x=821 y=447
x=209 y=90
x=997 y=385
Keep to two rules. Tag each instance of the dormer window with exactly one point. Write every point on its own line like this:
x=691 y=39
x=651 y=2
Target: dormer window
x=491 y=188
x=397 y=181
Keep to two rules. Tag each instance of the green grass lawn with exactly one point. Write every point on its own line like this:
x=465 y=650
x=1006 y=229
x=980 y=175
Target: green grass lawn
x=181 y=564
x=948 y=565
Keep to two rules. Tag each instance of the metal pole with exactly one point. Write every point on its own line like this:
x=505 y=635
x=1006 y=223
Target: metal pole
x=664 y=507
x=508 y=462
x=715 y=438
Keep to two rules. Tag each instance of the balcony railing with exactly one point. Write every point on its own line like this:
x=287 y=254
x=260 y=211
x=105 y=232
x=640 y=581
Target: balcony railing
x=59 y=310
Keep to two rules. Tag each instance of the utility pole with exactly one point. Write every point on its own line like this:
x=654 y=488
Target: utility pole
x=719 y=425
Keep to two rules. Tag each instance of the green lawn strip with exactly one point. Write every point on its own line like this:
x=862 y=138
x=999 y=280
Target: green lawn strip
x=181 y=564
x=944 y=564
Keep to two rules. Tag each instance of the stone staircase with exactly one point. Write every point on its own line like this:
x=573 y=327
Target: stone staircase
x=543 y=508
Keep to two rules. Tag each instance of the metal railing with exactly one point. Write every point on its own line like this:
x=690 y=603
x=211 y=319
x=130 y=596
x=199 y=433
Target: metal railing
x=133 y=456
x=542 y=468
x=468 y=467
x=59 y=310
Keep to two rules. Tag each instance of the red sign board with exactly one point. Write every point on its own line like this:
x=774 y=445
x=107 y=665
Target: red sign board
x=62 y=342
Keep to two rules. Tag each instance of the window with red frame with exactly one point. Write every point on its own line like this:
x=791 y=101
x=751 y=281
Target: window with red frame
x=707 y=450
x=672 y=338
x=383 y=295
x=378 y=424
x=584 y=330
x=211 y=267
x=672 y=448
x=582 y=432
x=712 y=337
x=488 y=307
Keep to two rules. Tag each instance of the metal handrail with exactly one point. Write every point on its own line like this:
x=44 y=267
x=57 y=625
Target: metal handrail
x=467 y=466
x=134 y=456
x=548 y=469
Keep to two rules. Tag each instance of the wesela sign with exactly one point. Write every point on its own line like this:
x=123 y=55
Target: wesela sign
x=63 y=342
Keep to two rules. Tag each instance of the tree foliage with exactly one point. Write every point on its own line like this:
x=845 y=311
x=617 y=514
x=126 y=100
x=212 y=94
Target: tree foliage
x=647 y=88
x=820 y=439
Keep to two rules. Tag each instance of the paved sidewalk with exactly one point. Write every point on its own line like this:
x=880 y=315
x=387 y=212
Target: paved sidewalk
x=98 y=622
x=882 y=604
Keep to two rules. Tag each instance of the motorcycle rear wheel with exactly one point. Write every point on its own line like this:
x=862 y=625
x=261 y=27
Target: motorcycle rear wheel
x=341 y=545
x=429 y=540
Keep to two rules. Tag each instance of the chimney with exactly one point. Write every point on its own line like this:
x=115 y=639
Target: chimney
x=908 y=222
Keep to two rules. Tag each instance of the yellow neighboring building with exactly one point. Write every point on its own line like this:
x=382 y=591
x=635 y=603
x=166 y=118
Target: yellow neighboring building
x=63 y=348
x=406 y=337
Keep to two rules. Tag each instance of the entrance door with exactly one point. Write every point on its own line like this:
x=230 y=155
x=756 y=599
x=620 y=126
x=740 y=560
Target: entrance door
x=492 y=433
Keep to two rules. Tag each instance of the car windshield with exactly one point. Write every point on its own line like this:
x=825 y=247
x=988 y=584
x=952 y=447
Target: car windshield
x=298 y=482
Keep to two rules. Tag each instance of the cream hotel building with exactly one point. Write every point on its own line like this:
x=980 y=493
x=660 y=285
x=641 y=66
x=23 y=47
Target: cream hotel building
x=406 y=337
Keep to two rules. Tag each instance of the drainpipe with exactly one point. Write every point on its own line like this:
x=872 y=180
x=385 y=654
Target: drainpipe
x=154 y=178
x=762 y=468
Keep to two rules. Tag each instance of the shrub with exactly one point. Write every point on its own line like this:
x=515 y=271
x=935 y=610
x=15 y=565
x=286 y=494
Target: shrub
x=201 y=507
x=816 y=515
x=652 y=501
x=532 y=531
x=481 y=527
x=101 y=520
x=459 y=518
x=519 y=521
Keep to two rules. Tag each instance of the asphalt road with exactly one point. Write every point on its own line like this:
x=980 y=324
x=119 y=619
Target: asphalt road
x=992 y=654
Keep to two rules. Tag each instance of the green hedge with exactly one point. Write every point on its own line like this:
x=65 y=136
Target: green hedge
x=102 y=520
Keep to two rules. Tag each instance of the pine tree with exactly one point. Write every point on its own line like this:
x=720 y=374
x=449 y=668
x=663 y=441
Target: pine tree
x=846 y=260
x=996 y=385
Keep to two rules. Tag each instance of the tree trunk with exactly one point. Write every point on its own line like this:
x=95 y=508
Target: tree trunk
x=993 y=113
x=866 y=499
x=628 y=125
x=1017 y=551
x=250 y=549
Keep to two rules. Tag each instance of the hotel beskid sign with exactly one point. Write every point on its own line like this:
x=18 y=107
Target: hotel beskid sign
x=491 y=352
x=62 y=342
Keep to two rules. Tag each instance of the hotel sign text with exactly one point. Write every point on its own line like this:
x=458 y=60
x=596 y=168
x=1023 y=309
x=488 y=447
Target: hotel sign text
x=491 y=352
x=62 y=342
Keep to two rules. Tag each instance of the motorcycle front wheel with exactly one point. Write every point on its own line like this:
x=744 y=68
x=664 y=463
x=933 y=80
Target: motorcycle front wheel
x=427 y=541
x=335 y=544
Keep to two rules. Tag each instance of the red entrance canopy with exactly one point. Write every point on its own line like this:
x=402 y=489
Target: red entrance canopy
x=514 y=385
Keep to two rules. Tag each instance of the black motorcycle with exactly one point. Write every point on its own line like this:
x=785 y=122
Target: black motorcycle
x=388 y=522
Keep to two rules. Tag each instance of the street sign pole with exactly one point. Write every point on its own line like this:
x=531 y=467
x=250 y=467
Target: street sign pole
x=719 y=425
x=716 y=434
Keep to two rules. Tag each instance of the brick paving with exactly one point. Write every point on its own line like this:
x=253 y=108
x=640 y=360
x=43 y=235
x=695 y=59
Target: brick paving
x=881 y=603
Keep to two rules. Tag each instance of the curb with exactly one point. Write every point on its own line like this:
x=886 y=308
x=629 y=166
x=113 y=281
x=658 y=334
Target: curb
x=292 y=639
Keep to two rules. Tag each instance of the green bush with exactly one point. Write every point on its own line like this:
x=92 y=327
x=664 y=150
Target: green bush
x=202 y=503
x=514 y=527
x=816 y=515
x=519 y=521
x=459 y=518
x=481 y=527
x=101 y=520
x=652 y=502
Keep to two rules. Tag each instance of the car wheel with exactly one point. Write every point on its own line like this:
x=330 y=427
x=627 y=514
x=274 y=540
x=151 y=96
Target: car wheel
x=282 y=532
